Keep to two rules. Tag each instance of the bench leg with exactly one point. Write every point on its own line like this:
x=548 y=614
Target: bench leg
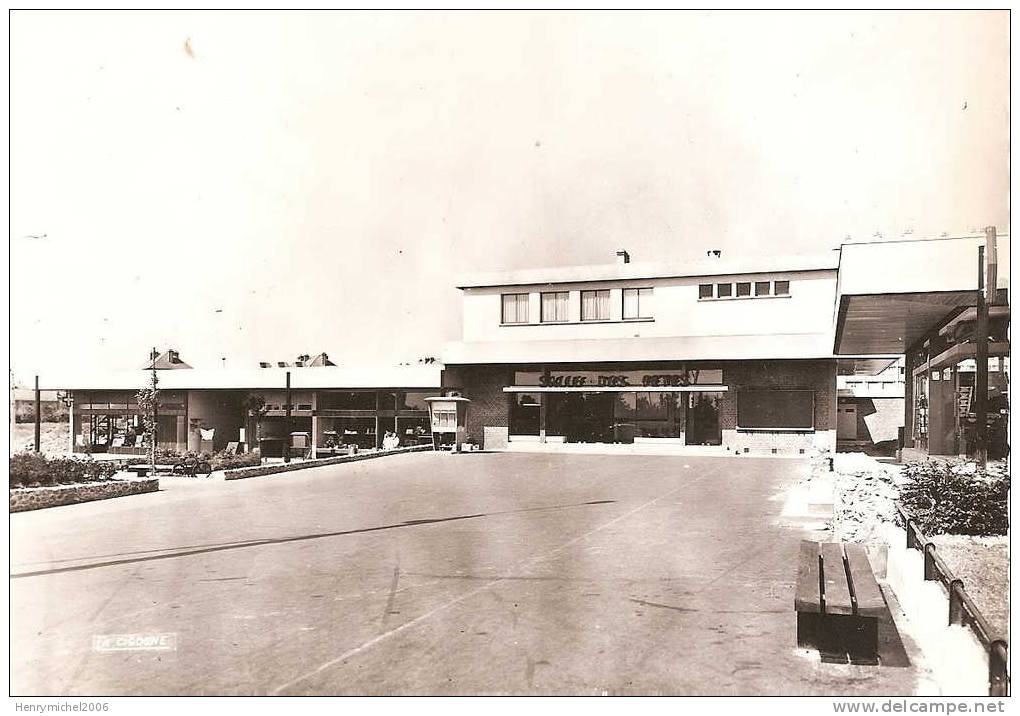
x=862 y=640
x=832 y=641
x=808 y=628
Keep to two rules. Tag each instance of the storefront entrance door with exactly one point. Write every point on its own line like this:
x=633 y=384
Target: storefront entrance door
x=846 y=421
x=581 y=417
x=703 y=419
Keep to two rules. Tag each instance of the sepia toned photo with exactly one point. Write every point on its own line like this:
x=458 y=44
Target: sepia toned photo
x=510 y=353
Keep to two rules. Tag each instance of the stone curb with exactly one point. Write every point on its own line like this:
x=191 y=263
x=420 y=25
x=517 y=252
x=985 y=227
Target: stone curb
x=242 y=473
x=38 y=498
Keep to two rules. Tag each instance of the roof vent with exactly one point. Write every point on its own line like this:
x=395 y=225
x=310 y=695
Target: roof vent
x=622 y=257
x=714 y=253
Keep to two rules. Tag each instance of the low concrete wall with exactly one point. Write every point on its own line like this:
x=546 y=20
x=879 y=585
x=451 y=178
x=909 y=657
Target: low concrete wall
x=37 y=498
x=245 y=472
x=958 y=661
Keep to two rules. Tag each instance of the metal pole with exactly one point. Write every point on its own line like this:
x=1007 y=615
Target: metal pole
x=286 y=407
x=38 y=416
x=981 y=376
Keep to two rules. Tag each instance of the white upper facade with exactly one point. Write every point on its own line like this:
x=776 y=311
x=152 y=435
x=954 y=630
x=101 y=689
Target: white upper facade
x=770 y=307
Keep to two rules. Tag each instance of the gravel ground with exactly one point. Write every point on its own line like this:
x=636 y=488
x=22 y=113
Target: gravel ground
x=865 y=498
x=983 y=565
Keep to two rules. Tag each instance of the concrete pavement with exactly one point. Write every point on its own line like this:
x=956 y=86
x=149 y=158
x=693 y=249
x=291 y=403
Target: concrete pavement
x=433 y=573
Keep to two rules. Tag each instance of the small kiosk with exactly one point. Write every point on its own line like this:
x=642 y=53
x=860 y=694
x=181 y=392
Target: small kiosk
x=448 y=417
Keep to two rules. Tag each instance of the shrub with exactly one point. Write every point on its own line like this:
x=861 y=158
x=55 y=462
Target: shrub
x=168 y=456
x=945 y=499
x=226 y=461
x=29 y=469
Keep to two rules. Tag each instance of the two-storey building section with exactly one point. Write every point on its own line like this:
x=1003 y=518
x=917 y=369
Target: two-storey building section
x=733 y=354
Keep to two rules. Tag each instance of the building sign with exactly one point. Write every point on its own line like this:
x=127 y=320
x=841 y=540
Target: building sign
x=636 y=379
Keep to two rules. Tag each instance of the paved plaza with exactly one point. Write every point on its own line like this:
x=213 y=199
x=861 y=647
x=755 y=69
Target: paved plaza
x=433 y=573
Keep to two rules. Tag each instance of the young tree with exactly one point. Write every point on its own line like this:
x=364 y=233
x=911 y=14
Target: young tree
x=148 y=403
x=255 y=409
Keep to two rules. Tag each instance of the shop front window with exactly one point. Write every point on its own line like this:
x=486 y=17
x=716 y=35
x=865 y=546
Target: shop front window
x=339 y=433
x=413 y=431
x=413 y=400
x=524 y=414
x=614 y=417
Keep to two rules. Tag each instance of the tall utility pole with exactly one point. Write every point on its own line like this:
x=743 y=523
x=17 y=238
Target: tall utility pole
x=286 y=407
x=155 y=413
x=38 y=417
x=981 y=366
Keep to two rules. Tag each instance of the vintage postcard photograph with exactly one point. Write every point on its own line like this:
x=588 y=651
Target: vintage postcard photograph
x=447 y=353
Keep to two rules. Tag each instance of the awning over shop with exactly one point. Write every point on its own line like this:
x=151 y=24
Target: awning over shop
x=604 y=389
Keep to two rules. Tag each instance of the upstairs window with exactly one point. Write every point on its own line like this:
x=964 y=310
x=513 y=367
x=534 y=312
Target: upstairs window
x=637 y=302
x=515 y=308
x=743 y=289
x=595 y=305
x=554 y=307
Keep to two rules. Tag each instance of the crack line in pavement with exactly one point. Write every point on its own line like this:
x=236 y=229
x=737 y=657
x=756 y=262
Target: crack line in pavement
x=467 y=595
x=286 y=540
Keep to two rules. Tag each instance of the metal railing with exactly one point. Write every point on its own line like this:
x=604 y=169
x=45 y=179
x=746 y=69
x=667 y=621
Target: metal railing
x=962 y=609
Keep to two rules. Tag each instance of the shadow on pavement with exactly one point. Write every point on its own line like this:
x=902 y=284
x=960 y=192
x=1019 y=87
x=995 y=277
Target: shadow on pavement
x=151 y=555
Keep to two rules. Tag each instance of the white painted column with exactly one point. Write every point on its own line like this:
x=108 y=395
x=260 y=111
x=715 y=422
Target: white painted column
x=315 y=423
x=70 y=429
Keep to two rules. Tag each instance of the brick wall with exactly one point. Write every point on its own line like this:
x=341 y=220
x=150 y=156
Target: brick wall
x=490 y=406
x=818 y=376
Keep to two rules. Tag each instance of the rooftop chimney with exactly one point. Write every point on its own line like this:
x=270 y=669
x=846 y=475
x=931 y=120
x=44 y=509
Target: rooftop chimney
x=714 y=253
x=622 y=257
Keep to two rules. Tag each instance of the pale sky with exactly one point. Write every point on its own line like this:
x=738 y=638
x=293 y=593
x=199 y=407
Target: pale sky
x=259 y=185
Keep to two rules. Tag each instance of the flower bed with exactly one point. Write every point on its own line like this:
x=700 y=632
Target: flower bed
x=37 y=498
x=245 y=472
x=33 y=470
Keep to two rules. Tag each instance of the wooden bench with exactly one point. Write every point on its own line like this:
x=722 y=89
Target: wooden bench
x=838 y=602
x=139 y=470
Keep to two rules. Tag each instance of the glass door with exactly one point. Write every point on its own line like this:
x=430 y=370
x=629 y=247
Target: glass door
x=703 y=419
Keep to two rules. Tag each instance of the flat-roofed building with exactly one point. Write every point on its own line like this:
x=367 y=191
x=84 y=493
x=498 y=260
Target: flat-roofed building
x=732 y=354
x=204 y=410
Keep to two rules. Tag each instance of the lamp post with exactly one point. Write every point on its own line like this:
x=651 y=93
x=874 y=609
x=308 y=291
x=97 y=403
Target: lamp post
x=287 y=409
x=38 y=417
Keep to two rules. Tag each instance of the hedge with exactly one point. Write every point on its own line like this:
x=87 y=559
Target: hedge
x=946 y=498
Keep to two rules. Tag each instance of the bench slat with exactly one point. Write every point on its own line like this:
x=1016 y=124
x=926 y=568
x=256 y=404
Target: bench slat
x=808 y=599
x=837 y=591
x=870 y=602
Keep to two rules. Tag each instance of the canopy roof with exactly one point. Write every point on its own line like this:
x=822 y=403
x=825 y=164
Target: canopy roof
x=890 y=294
